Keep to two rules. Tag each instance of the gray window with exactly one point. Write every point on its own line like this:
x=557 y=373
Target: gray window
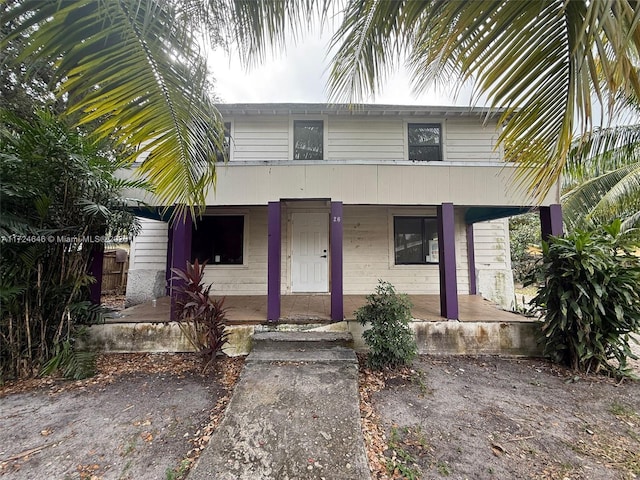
x=415 y=240
x=308 y=139
x=425 y=142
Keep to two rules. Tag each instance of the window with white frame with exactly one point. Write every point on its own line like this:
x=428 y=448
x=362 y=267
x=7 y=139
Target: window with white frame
x=308 y=139
x=218 y=239
x=415 y=240
x=425 y=142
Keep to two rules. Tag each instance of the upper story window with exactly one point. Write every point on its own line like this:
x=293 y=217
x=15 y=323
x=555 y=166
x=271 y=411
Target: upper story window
x=415 y=240
x=308 y=139
x=425 y=142
x=226 y=141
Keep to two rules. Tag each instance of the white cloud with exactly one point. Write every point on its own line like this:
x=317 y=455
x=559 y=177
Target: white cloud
x=300 y=75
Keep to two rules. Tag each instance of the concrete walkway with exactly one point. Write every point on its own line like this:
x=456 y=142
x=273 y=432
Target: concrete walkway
x=294 y=414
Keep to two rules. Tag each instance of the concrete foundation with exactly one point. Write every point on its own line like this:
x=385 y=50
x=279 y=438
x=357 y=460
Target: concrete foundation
x=144 y=286
x=434 y=338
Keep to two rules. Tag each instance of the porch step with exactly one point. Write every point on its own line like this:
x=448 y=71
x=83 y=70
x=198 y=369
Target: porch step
x=302 y=347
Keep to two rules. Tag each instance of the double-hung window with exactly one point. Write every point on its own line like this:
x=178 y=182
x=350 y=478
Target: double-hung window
x=308 y=140
x=415 y=240
x=425 y=142
x=218 y=239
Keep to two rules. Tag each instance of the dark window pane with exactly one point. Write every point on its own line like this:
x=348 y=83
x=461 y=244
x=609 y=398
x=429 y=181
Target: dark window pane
x=218 y=239
x=226 y=141
x=415 y=240
x=424 y=142
x=308 y=140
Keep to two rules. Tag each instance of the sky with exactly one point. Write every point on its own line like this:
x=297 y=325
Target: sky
x=300 y=75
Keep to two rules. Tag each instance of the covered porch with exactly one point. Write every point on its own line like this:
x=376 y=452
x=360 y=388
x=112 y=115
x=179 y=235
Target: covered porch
x=252 y=309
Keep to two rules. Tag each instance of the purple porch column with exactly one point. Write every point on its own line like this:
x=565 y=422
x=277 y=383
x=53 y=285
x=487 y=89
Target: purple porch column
x=180 y=253
x=471 y=259
x=273 y=260
x=337 y=300
x=168 y=273
x=551 y=221
x=95 y=270
x=447 y=257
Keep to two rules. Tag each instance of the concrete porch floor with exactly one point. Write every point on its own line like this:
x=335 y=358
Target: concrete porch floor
x=252 y=309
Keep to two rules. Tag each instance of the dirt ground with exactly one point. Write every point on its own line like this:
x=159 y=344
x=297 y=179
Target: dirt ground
x=497 y=418
x=147 y=416
x=144 y=416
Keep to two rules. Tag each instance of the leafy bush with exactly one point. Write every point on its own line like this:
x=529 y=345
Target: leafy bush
x=390 y=339
x=590 y=299
x=202 y=319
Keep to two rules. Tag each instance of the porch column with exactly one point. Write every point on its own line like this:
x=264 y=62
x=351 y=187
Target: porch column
x=168 y=274
x=447 y=257
x=471 y=259
x=551 y=221
x=95 y=270
x=337 y=299
x=273 y=260
x=180 y=254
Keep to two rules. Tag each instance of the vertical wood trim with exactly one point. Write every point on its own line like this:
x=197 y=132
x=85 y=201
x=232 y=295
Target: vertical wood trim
x=180 y=255
x=336 y=245
x=551 y=221
x=447 y=257
x=471 y=260
x=274 y=252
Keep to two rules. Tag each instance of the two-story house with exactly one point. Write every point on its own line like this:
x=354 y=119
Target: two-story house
x=327 y=199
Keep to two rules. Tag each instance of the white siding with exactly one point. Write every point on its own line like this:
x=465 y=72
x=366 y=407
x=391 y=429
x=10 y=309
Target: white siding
x=365 y=139
x=258 y=139
x=369 y=256
x=149 y=248
x=491 y=240
x=469 y=141
x=360 y=138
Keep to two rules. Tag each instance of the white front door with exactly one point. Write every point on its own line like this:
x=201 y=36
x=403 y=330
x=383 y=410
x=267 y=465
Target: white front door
x=310 y=252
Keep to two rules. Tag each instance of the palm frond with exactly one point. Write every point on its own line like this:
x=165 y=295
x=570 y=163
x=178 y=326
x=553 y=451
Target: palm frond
x=600 y=151
x=541 y=61
x=134 y=66
x=601 y=199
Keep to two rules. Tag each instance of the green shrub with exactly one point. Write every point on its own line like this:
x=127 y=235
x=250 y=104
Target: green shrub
x=390 y=339
x=201 y=319
x=590 y=300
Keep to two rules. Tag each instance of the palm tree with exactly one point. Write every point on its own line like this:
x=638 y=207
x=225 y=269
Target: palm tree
x=134 y=64
x=544 y=61
x=602 y=179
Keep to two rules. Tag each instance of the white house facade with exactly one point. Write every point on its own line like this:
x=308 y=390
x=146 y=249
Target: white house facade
x=327 y=199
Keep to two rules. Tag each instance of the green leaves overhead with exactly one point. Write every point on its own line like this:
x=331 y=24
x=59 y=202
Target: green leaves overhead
x=134 y=66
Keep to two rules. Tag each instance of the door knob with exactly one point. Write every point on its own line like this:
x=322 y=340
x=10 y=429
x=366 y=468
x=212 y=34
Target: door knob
x=323 y=256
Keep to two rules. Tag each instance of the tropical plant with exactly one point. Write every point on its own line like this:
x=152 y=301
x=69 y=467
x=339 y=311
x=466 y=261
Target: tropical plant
x=542 y=61
x=390 y=339
x=59 y=196
x=602 y=178
x=590 y=301
x=524 y=238
x=135 y=66
x=201 y=318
